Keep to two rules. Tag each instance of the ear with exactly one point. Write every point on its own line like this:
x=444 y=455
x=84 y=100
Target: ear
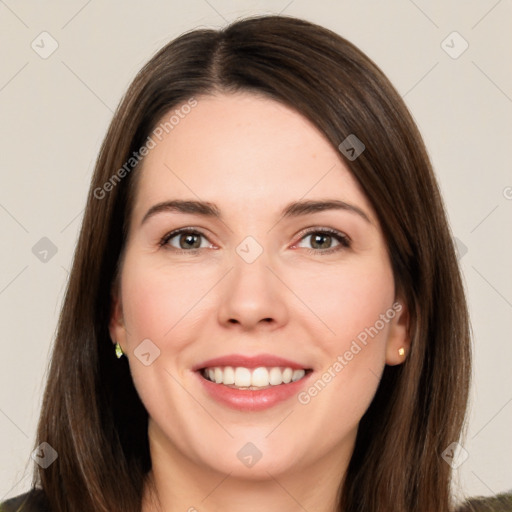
x=399 y=342
x=116 y=326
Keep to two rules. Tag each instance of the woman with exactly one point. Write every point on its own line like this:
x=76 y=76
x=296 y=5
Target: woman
x=265 y=246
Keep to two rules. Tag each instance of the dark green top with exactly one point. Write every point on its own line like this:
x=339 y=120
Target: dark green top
x=31 y=501
x=498 y=503
x=35 y=501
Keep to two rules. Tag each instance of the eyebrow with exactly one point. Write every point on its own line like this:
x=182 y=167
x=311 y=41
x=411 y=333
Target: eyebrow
x=294 y=209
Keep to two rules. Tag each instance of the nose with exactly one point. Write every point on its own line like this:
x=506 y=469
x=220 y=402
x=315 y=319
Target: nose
x=253 y=296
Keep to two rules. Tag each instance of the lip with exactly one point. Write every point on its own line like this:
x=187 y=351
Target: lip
x=249 y=399
x=252 y=400
x=234 y=360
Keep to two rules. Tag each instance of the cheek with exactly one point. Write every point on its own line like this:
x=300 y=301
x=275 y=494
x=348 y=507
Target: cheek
x=156 y=299
x=355 y=304
x=157 y=303
x=347 y=300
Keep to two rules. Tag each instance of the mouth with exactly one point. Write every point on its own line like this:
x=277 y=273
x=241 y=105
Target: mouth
x=253 y=382
x=253 y=379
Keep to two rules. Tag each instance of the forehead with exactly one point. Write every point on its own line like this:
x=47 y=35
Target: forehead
x=239 y=150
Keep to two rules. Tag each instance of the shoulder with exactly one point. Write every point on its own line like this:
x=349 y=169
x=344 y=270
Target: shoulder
x=31 y=501
x=498 y=503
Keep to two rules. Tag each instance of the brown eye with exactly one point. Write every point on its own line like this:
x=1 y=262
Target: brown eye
x=189 y=241
x=185 y=240
x=324 y=241
x=321 y=241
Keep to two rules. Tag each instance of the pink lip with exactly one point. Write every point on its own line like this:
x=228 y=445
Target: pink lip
x=252 y=400
x=267 y=360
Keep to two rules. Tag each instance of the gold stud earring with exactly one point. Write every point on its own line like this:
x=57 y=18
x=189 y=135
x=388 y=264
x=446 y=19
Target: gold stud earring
x=119 y=351
x=401 y=351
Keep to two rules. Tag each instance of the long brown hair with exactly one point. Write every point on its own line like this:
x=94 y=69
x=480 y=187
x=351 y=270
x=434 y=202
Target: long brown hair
x=91 y=413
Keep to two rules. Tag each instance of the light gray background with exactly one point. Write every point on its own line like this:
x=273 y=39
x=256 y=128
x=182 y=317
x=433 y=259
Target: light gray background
x=54 y=113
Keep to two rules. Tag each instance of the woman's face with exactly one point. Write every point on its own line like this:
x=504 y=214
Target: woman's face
x=268 y=275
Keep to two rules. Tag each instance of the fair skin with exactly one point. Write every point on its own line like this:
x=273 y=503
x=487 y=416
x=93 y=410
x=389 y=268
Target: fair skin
x=251 y=157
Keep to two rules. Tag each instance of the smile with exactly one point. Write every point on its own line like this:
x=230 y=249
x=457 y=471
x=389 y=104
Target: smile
x=252 y=378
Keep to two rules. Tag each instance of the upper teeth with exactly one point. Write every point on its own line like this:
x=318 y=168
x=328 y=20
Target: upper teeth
x=257 y=377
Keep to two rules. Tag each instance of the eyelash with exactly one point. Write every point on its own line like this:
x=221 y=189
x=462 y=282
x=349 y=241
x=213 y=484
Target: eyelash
x=344 y=240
